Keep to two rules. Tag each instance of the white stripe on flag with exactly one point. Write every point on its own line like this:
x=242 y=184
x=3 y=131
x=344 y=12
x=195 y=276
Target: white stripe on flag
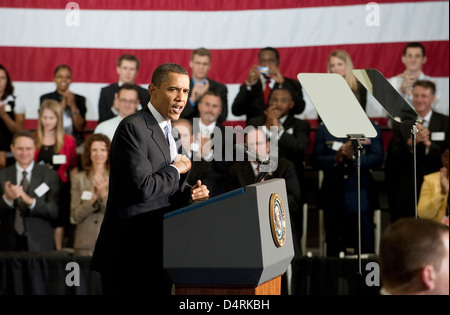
x=225 y=29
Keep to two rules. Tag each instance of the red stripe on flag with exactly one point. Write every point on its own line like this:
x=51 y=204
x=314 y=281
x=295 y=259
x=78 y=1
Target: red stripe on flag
x=189 y=5
x=228 y=65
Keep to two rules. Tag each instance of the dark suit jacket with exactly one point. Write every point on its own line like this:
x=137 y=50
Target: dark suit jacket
x=399 y=169
x=142 y=187
x=251 y=103
x=38 y=222
x=107 y=99
x=189 y=111
x=292 y=144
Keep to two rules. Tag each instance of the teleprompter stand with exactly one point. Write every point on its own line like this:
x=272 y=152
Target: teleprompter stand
x=396 y=107
x=344 y=118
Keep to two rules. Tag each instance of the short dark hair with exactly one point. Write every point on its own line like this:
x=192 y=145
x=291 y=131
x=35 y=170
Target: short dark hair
x=161 y=72
x=201 y=52
x=62 y=67
x=9 y=89
x=281 y=88
x=277 y=55
x=129 y=58
x=407 y=245
x=414 y=45
x=426 y=84
x=23 y=133
x=210 y=92
x=128 y=86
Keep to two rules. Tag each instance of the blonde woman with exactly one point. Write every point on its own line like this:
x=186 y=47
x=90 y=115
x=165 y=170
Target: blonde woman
x=89 y=192
x=57 y=150
x=73 y=105
x=340 y=62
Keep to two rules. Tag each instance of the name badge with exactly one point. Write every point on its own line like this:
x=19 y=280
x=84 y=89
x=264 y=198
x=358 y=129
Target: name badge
x=86 y=195
x=8 y=108
x=438 y=136
x=59 y=159
x=336 y=145
x=41 y=190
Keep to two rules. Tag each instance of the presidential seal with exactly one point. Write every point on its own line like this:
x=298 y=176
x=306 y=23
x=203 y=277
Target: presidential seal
x=277 y=220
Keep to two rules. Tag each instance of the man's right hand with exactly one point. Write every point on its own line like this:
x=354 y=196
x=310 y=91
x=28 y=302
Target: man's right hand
x=182 y=163
x=253 y=76
x=12 y=192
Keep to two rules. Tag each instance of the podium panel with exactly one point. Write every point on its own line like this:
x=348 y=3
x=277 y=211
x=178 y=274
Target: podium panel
x=229 y=240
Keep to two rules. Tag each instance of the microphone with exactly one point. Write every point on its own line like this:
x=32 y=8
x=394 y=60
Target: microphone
x=254 y=156
x=266 y=165
x=250 y=154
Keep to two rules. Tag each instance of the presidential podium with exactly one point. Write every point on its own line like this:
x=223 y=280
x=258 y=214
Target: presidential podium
x=236 y=243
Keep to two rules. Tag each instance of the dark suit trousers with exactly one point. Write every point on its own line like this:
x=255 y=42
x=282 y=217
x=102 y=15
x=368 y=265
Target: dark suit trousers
x=138 y=269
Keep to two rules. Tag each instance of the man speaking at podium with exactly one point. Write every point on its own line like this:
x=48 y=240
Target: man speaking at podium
x=147 y=179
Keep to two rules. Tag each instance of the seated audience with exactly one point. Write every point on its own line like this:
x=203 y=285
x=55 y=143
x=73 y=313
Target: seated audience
x=73 y=106
x=128 y=95
x=89 y=192
x=29 y=199
x=12 y=115
x=414 y=258
x=57 y=151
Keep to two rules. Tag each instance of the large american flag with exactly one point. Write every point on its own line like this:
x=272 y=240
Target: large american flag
x=89 y=36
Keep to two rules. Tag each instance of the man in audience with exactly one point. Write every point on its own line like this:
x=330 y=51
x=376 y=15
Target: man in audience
x=431 y=138
x=293 y=133
x=243 y=173
x=200 y=83
x=127 y=70
x=29 y=199
x=414 y=258
x=128 y=96
x=210 y=136
x=413 y=58
x=253 y=96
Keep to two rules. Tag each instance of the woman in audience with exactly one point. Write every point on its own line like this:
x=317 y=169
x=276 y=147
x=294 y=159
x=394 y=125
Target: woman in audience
x=89 y=193
x=73 y=105
x=12 y=115
x=340 y=62
x=57 y=150
x=433 y=199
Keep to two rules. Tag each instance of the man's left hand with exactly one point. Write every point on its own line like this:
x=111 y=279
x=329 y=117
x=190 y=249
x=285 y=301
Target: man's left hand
x=199 y=192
